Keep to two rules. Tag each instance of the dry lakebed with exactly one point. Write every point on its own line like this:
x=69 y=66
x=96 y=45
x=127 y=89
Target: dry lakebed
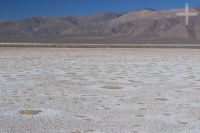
x=52 y=90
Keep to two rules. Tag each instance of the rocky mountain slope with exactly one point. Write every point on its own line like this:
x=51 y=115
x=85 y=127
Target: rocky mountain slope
x=138 y=26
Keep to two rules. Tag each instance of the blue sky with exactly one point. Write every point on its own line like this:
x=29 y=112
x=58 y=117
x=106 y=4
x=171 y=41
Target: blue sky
x=19 y=9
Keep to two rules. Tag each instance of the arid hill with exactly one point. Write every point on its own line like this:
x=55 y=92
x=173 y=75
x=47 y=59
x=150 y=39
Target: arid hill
x=138 y=26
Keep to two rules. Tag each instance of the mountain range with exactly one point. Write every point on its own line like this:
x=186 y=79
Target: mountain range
x=139 y=26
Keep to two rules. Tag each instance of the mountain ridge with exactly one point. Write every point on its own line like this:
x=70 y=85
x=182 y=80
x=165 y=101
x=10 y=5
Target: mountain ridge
x=142 y=25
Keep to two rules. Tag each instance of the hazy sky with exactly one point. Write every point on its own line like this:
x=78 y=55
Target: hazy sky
x=19 y=9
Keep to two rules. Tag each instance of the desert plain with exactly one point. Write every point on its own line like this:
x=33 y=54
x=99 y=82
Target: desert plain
x=52 y=90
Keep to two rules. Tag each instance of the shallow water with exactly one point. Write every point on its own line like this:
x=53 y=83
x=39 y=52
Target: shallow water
x=100 y=90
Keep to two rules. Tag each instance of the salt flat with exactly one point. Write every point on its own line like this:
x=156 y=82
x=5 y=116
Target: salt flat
x=99 y=90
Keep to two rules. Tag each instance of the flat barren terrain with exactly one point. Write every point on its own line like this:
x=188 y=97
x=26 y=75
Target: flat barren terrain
x=99 y=90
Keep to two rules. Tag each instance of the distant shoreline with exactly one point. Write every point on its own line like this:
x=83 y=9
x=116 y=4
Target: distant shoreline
x=53 y=45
